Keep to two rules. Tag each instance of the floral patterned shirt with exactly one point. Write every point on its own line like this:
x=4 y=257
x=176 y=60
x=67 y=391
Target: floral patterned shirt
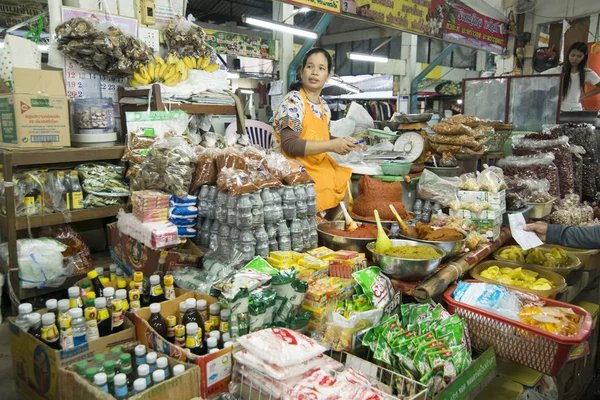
x=290 y=112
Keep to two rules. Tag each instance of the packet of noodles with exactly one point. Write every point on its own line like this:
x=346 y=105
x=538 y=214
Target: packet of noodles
x=376 y=286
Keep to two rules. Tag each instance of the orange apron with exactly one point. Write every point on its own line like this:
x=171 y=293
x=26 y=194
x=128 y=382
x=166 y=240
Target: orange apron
x=331 y=180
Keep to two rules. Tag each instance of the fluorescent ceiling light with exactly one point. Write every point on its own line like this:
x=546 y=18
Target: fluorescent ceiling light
x=459 y=101
x=246 y=91
x=42 y=47
x=280 y=27
x=341 y=84
x=233 y=75
x=304 y=10
x=367 y=57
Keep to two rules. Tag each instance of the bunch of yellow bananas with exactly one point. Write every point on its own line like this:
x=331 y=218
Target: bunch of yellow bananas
x=169 y=72
x=202 y=63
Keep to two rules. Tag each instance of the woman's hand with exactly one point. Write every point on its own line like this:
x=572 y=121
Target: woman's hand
x=343 y=145
x=540 y=229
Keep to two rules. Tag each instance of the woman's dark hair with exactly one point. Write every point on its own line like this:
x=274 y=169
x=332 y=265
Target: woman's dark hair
x=582 y=47
x=316 y=50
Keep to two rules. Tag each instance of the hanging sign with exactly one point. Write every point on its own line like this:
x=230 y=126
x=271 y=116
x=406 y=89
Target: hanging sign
x=330 y=6
x=436 y=18
x=241 y=45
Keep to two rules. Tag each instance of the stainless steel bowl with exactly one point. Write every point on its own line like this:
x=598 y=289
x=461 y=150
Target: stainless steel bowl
x=450 y=248
x=335 y=242
x=404 y=268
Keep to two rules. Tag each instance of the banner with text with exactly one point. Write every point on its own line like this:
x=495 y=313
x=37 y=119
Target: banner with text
x=330 y=6
x=435 y=18
x=241 y=45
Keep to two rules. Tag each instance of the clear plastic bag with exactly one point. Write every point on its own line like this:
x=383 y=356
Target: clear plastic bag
x=235 y=181
x=468 y=181
x=579 y=134
x=363 y=121
x=231 y=158
x=206 y=168
x=577 y=154
x=562 y=156
x=169 y=166
x=41 y=262
x=297 y=174
x=537 y=167
x=185 y=38
x=491 y=179
x=77 y=249
x=438 y=189
x=277 y=165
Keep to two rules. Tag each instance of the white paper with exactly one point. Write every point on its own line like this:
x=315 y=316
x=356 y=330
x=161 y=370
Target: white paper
x=276 y=101
x=276 y=88
x=527 y=240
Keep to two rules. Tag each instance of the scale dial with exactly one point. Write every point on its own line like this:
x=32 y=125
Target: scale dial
x=410 y=145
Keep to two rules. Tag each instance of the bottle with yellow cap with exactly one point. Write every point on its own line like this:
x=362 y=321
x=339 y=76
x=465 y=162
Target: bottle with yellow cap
x=121 y=294
x=121 y=283
x=113 y=272
x=104 y=281
x=96 y=284
x=171 y=323
x=117 y=316
x=134 y=300
x=169 y=288
x=91 y=323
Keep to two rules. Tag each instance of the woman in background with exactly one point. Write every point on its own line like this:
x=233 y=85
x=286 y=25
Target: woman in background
x=576 y=74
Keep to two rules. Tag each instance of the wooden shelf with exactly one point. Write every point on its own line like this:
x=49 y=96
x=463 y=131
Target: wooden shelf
x=37 y=221
x=22 y=157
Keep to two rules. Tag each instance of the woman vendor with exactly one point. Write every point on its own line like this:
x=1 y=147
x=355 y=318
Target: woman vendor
x=301 y=126
x=576 y=74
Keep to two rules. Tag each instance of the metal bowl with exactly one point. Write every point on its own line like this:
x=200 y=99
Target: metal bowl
x=404 y=268
x=450 y=248
x=392 y=125
x=335 y=242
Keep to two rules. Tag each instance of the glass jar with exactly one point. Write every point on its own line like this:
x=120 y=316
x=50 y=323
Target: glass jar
x=93 y=116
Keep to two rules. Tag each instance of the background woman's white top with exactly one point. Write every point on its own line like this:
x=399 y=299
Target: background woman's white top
x=571 y=101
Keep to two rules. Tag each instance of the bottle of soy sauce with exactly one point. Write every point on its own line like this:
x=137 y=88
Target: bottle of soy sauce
x=103 y=318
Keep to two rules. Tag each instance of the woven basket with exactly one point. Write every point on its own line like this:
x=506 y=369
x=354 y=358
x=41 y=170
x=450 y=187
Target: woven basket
x=496 y=140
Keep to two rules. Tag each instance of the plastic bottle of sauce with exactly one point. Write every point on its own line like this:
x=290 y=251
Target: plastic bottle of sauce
x=121 y=391
x=113 y=272
x=22 y=321
x=171 y=322
x=169 y=288
x=36 y=325
x=182 y=310
x=157 y=294
x=74 y=299
x=66 y=332
x=98 y=288
x=156 y=321
x=139 y=385
x=179 y=335
x=100 y=380
x=103 y=317
x=109 y=370
x=158 y=376
x=90 y=373
x=163 y=364
x=117 y=316
x=143 y=372
x=135 y=300
x=191 y=314
x=202 y=307
x=63 y=309
x=224 y=322
x=262 y=242
x=91 y=322
x=78 y=326
x=178 y=369
x=50 y=334
x=121 y=294
x=140 y=355
x=151 y=361
x=127 y=369
x=191 y=342
x=215 y=313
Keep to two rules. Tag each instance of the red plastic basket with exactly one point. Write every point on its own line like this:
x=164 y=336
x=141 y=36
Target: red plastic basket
x=515 y=341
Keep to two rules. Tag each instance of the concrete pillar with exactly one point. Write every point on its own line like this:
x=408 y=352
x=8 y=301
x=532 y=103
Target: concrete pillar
x=408 y=52
x=286 y=41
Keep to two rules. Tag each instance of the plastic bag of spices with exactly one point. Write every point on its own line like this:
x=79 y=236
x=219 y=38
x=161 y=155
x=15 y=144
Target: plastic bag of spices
x=562 y=156
x=539 y=166
x=206 y=168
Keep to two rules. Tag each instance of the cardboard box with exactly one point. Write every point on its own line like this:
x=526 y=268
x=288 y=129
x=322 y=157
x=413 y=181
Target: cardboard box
x=483 y=215
x=36 y=366
x=37 y=113
x=497 y=200
x=184 y=386
x=133 y=256
x=215 y=369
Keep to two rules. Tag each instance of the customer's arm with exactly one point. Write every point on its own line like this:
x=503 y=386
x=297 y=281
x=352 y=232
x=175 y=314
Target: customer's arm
x=580 y=237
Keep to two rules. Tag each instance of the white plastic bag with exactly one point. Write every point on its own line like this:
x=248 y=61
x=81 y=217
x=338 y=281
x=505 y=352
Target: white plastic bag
x=342 y=128
x=41 y=263
x=361 y=117
x=438 y=189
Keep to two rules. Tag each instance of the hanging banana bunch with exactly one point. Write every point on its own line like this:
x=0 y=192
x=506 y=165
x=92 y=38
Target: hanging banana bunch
x=169 y=72
x=200 y=63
